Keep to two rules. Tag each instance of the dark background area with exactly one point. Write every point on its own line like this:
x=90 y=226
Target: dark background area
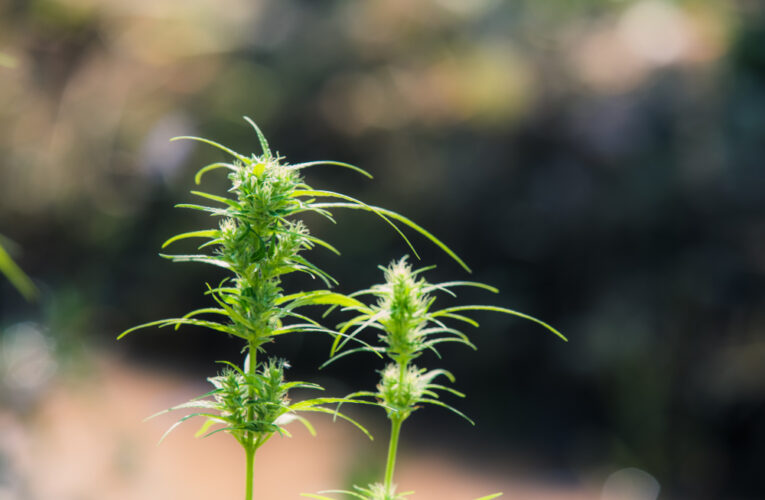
x=601 y=163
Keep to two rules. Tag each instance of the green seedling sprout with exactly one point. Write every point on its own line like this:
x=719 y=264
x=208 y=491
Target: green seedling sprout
x=258 y=239
x=403 y=313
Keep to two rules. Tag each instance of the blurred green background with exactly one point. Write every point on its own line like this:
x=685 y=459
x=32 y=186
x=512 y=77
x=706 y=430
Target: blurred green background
x=601 y=162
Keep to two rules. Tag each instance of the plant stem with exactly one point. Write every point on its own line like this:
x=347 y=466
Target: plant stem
x=250 y=451
x=249 y=447
x=396 y=419
x=395 y=430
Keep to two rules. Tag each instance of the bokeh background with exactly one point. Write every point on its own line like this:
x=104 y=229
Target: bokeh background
x=601 y=162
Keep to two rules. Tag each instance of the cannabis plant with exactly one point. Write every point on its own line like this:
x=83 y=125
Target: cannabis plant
x=403 y=312
x=259 y=238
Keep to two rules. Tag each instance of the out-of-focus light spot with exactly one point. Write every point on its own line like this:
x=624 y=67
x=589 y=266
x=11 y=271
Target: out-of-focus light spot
x=488 y=86
x=159 y=33
x=26 y=360
x=618 y=54
x=355 y=102
x=7 y=61
x=493 y=84
x=630 y=484
x=473 y=8
x=161 y=158
x=737 y=372
x=656 y=31
x=603 y=62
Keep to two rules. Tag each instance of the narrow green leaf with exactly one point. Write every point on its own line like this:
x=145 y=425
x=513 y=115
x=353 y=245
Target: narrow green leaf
x=447 y=389
x=140 y=327
x=340 y=343
x=448 y=407
x=302 y=317
x=261 y=137
x=204 y=310
x=359 y=205
x=374 y=350
x=449 y=284
x=205 y=427
x=301 y=327
x=182 y=420
x=220 y=199
x=429 y=344
x=458 y=317
x=230 y=365
x=206 y=233
x=405 y=221
x=306 y=424
x=319 y=409
x=205 y=259
x=322 y=243
x=175 y=321
x=301 y=166
x=211 y=166
x=211 y=143
x=502 y=310
x=320 y=297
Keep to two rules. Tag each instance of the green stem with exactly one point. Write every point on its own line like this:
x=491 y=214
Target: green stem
x=250 y=447
x=396 y=419
x=250 y=451
x=395 y=430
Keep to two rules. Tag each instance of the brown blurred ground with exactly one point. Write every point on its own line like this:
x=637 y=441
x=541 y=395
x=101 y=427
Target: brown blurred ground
x=86 y=440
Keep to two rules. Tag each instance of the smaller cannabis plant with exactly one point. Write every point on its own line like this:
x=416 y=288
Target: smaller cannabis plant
x=259 y=239
x=408 y=325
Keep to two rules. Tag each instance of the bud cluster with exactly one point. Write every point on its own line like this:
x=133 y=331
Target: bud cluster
x=403 y=307
x=250 y=401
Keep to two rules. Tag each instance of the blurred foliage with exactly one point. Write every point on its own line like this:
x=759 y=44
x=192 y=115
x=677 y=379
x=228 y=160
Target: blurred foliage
x=15 y=275
x=599 y=161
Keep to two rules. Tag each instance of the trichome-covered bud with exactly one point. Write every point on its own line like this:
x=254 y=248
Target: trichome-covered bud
x=251 y=401
x=401 y=388
x=403 y=304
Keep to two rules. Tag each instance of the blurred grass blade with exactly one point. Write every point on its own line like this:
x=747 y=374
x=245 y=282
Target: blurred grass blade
x=16 y=276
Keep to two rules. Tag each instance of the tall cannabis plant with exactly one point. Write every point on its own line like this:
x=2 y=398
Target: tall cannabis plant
x=403 y=314
x=259 y=239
